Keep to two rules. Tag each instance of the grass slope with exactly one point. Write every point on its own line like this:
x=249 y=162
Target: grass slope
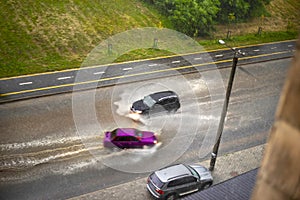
x=39 y=36
x=47 y=35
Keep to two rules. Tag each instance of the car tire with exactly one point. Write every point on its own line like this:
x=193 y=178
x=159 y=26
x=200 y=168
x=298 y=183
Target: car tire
x=171 y=197
x=173 y=111
x=207 y=185
x=115 y=149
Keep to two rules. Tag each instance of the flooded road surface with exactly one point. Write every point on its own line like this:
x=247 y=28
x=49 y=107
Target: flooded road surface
x=51 y=147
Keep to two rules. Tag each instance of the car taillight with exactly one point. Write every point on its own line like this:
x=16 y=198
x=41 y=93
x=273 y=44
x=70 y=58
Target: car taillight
x=159 y=191
x=148 y=180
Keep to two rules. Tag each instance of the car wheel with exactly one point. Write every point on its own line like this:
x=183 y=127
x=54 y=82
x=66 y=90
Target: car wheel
x=115 y=149
x=207 y=185
x=171 y=197
x=172 y=111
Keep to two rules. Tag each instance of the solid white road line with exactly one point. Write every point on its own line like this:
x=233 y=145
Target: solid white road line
x=65 y=77
x=25 y=83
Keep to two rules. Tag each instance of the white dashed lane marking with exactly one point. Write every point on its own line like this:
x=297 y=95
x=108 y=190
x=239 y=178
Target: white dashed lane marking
x=152 y=65
x=176 y=61
x=200 y=58
x=65 y=77
x=98 y=73
x=25 y=83
x=219 y=56
x=256 y=50
x=128 y=68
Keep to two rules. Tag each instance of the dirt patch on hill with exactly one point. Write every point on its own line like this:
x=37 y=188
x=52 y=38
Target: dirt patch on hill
x=279 y=19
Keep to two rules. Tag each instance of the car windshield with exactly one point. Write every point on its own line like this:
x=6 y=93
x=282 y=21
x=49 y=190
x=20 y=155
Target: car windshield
x=113 y=134
x=149 y=101
x=193 y=171
x=138 y=133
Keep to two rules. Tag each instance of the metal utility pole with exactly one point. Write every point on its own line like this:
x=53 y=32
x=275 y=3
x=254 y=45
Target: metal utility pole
x=214 y=153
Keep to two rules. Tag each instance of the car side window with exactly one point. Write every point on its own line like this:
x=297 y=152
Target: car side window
x=172 y=100
x=131 y=138
x=117 y=138
x=157 y=106
x=164 y=101
x=120 y=138
x=174 y=183
x=189 y=179
x=168 y=101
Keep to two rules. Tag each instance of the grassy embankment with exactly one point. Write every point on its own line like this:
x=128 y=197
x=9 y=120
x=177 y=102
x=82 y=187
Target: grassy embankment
x=39 y=36
x=49 y=35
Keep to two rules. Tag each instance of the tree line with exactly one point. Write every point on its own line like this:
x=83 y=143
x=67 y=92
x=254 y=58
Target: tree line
x=198 y=17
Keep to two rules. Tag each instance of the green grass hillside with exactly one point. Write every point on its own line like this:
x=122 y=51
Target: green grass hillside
x=47 y=35
x=38 y=36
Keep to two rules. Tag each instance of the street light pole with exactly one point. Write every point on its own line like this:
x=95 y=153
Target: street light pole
x=225 y=107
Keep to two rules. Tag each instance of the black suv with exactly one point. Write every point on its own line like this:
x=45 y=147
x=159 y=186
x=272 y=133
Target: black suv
x=177 y=180
x=157 y=102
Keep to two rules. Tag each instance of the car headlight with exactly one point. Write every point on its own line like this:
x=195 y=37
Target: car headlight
x=138 y=111
x=135 y=111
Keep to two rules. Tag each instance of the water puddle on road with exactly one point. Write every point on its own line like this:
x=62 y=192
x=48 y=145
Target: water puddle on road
x=55 y=155
x=26 y=161
x=176 y=130
x=62 y=155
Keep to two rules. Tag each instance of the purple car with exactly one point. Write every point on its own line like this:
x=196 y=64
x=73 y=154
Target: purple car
x=129 y=138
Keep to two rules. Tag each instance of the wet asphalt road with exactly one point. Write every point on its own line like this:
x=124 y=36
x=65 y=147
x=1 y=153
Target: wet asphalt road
x=51 y=146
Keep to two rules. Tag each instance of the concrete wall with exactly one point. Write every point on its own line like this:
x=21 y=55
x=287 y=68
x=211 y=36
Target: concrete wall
x=279 y=176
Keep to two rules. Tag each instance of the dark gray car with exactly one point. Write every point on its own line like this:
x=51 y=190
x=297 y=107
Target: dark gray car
x=157 y=102
x=177 y=180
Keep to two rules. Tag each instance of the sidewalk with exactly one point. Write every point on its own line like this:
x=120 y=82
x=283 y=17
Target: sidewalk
x=227 y=166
